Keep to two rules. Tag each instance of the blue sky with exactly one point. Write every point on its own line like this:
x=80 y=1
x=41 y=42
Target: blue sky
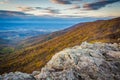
x=64 y=8
x=52 y=15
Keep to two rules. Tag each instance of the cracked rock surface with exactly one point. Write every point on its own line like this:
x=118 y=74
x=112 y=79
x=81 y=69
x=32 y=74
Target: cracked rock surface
x=99 y=61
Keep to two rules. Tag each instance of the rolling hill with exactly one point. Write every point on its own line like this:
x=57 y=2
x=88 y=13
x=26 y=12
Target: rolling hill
x=41 y=39
x=5 y=47
x=35 y=56
x=38 y=39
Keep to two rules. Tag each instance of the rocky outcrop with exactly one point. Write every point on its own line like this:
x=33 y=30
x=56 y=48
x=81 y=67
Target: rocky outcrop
x=17 y=76
x=98 y=61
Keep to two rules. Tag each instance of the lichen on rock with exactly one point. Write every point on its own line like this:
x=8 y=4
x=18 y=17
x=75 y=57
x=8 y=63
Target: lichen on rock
x=98 y=61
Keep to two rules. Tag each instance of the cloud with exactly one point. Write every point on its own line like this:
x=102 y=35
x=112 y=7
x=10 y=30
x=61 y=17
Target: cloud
x=11 y=14
x=48 y=12
x=74 y=7
x=39 y=11
x=38 y=7
x=44 y=10
x=51 y=10
x=98 y=5
x=63 y=1
x=26 y=8
x=4 y=2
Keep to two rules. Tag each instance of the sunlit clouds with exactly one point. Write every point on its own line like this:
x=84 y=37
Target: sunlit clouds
x=64 y=8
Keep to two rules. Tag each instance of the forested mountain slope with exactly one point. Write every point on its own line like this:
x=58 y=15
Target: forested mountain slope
x=36 y=56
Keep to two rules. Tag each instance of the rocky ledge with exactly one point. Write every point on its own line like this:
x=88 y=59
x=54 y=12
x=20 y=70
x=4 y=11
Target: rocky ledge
x=17 y=76
x=98 y=61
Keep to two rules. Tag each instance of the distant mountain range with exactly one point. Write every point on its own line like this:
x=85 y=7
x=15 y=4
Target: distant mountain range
x=38 y=39
x=38 y=51
x=16 y=36
x=9 y=39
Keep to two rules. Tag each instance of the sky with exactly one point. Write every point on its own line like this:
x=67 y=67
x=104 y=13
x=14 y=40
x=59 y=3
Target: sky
x=63 y=8
x=52 y=15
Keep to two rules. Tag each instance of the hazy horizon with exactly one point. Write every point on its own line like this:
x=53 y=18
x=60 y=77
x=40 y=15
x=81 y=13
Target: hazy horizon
x=27 y=18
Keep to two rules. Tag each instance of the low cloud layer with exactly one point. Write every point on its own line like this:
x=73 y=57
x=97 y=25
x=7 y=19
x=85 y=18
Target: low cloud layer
x=61 y=1
x=74 y=7
x=99 y=4
x=11 y=14
x=64 y=1
x=26 y=8
x=40 y=10
x=4 y=2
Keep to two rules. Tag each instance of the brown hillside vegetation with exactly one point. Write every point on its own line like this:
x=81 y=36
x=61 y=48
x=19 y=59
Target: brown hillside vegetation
x=36 y=56
x=38 y=39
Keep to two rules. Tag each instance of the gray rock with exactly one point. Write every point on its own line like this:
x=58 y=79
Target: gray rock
x=34 y=73
x=17 y=76
x=99 y=61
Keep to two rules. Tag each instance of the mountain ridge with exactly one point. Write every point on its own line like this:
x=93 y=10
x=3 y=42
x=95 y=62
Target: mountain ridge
x=37 y=39
x=35 y=57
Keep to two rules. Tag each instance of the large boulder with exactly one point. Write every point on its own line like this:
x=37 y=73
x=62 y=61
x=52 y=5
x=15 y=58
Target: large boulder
x=99 y=61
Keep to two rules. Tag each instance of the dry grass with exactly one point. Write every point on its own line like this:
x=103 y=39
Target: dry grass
x=36 y=56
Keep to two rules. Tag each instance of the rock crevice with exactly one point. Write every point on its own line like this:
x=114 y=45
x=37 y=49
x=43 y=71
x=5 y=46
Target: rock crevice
x=98 y=61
